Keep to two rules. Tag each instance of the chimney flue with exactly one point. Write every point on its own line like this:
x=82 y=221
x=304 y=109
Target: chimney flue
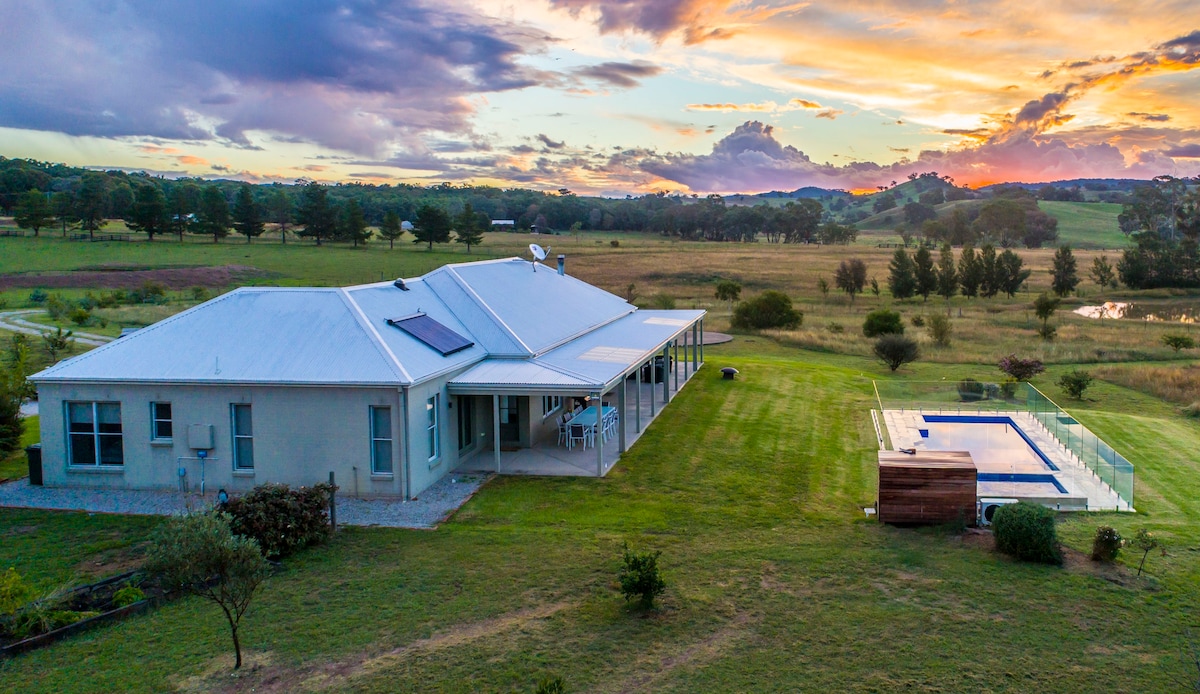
x=562 y=264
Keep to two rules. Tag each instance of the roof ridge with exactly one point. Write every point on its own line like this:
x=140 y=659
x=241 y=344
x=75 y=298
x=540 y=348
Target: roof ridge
x=483 y=305
x=376 y=339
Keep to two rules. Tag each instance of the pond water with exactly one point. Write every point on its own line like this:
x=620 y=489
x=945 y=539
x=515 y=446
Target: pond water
x=1170 y=311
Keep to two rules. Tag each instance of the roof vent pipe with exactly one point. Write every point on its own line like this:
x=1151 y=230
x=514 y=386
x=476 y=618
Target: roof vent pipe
x=399 y=284
x=562 y=264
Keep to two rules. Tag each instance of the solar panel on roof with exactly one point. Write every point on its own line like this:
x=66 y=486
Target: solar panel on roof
x=432 y=333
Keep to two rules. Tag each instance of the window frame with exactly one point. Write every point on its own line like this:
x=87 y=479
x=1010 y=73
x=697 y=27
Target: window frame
x=377 y=439
x=235 y=436
x=155 y=436
x=95 y=435
x=432 y=428
x=550 y=406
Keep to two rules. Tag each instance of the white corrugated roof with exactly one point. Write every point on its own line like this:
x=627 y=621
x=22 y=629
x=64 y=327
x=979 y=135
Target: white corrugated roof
x=528 y=328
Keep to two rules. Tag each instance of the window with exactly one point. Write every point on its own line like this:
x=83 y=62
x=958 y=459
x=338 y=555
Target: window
x=243 y=437
x=381 y=440
x=160 y=421
x=94 y=433
x=431 y=412
x=466 y=422
x=550 y=405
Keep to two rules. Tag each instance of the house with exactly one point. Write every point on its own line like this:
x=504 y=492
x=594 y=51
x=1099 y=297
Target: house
x=389 y=385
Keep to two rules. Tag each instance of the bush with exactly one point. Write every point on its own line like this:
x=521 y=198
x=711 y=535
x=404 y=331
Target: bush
x=615 y=243
x=149 y=293
x=835 y=328
x=662 y=301
x=940 y=330
x=970 y=390
x=38 y=296
x=1178 y=342
x=200 y=294
x=640 y=577
x=896 y=350
x=881 y=321
x=1026 y=531
x=57 y=307
x=1047 y=332
x=1021 y=369
x=770 y=309
x=127 y=596
x=1075 y=382
x=81 y=316
x=282 y=520
x=1106 y=545
x=918 y=321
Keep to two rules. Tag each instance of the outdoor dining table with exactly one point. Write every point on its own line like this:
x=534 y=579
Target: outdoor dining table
x=587 y=417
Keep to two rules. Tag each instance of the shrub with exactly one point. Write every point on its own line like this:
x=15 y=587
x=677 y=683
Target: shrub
x=896 y=350
x=615 y=243
x=882 y=321
x=149 y=293
x=282 y=520
x=81 y=316
x=918 y=321
x=38 y=296
x=1147 y=542
x=1021 y=369
x=127 y=596
x=940 y=330
x=1106 y=545
x=1047 y=332
x=1026 y=531
x=57 y=307
x=835 y=328
x=662 y=301
x=1008 y=389
x=1075 y=382
x=640 y=577
x=770 y=309
x=970 y=390
x=1178 y=342
x=200 y=294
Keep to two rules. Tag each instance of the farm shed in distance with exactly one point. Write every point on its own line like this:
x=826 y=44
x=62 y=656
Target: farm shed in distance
x=929 y=487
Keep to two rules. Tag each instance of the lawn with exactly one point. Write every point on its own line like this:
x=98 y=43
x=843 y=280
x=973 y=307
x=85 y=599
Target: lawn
x=752 y=489
x=15 y=465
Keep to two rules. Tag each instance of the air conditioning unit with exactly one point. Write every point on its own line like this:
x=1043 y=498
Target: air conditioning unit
x=987 y=508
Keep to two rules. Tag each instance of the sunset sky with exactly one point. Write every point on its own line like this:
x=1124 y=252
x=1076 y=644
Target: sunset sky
x=606 y=96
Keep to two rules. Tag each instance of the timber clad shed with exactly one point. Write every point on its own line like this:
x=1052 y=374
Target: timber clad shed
x=929 y=487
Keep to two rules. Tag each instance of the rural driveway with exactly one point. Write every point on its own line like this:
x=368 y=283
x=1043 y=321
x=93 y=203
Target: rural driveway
x=12 y=320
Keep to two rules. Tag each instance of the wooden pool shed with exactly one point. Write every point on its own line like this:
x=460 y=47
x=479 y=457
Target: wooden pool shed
x=926 y=487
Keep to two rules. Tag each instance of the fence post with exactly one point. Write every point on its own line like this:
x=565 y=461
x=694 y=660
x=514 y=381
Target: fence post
x=332 y=503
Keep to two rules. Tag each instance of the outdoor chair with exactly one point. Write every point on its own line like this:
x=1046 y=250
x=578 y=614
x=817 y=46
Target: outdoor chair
x=562 y=430
x=581 y=434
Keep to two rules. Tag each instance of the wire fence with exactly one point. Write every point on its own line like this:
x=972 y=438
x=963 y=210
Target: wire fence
x=978 y=398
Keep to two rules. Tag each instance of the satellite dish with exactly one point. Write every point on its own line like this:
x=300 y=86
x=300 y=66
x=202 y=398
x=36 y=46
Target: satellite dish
x=538 y=252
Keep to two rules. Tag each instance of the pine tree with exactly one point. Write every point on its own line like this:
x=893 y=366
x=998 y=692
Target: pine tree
x=924 y=272
x=354 y=225
x=1012 y=276
x=214 y=213
x=64 y=208
x=90 y=202
x=315 y=213
x=467 y=228
x=432 y=225
x=1064 y=270
x=990 y=279
x=33 y=211
x=902 y=281
x=391 y=229
x=280 y=206
x=149 y=212
x=247 y=218
x=183 y=203
x=947 y=276
x=970 y=272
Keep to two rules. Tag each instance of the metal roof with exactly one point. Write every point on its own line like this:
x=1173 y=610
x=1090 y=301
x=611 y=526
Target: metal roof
x=529 y=329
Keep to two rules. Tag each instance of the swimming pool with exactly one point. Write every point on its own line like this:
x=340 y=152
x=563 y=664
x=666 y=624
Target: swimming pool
x=1009 y=462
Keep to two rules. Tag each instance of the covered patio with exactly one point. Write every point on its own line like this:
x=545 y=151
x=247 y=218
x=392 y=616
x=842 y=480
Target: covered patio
x=633 y=369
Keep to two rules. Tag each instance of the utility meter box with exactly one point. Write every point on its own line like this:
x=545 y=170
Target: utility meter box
x=200 y=437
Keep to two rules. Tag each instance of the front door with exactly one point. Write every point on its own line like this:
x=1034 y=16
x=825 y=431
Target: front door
x=510 y=420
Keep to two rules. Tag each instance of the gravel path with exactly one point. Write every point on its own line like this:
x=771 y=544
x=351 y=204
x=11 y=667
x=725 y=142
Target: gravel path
x=432 y=507
x=12 y=320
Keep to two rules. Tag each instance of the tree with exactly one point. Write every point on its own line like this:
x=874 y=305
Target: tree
x=947 y=276
x=1021 y=369
x=315 y=213
x=771 y=309
x=391 y=229
x=56 y=343
x=91 y=201
x=1147 y=542
x=728 y=290
x=896 y=350
x=902 y=281
x=970 y=272
x=823 y=287
x=64 y=208
x=851 y=277
x=467 y=229
x=882 y=321
x=1064 y=272
x=915 y=213
x=1001 y=221
x=924 y=273
x=247 y=217
x=33 y=211
x=1178 y=341
x=1074 y=383
x=989 y=272
x=1102 y=272
x=184 y=203
x=1010 y=273
x=11 y=426
x=1045 y=306
x=148 y=213
x=940 y=329
x=640 y=577
x=213 y=217
x=280 y=207
x=354 y=225
x=432 y=225
x=199 y=553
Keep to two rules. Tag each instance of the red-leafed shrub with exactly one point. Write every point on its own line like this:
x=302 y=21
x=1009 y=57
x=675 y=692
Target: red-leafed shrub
x=281 y=519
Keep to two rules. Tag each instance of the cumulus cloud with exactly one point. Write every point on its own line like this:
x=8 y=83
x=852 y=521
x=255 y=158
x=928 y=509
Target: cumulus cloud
x=351 y=76
x=654 y=17
x=1184 y=151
